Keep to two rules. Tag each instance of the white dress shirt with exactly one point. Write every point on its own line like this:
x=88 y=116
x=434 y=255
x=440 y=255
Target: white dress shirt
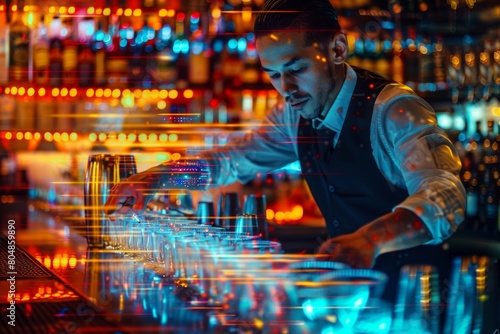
x=408 y=147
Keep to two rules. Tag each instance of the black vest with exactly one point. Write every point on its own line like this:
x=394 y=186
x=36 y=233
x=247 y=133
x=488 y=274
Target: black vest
x=346 y=183
x=348 y=186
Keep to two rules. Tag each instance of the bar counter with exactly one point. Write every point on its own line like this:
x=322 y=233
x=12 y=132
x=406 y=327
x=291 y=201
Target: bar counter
x=63 y=286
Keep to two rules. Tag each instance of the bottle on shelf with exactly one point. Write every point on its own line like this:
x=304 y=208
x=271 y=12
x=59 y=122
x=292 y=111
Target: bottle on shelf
x=181 y=48
x=469 y=177
x=200 y=53
x=69 y=55
x=99 y=49
x=117 y=66
x=86 y=58
x=166 y=71
x=490 y=145
x=20 y=55
x=476 y=143
x=55 y=65
x=41 y=53
x=439 y=63
x=136 y=54
x=147 y=63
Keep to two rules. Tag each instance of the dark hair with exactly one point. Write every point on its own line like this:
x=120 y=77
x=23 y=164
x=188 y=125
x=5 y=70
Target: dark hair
x=317 y=18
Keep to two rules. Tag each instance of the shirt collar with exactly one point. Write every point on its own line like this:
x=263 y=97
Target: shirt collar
x=334 y=118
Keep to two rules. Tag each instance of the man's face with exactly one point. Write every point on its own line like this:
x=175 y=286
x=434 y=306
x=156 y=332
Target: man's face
x=302 y=74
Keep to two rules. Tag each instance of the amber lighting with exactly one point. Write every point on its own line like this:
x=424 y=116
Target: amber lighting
x=115 y=93
x=282 y=217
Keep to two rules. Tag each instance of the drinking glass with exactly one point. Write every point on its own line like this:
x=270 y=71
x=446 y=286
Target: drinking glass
x=227 y=210
x=247 y=224
x=255 y=204
x=206 y=213
x=331 y=301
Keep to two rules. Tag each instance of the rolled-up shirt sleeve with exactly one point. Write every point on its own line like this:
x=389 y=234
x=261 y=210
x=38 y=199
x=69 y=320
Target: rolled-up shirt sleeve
x=262 y=149
x=414 y=153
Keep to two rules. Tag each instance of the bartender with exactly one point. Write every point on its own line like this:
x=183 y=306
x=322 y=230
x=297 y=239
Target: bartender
x=383 y=174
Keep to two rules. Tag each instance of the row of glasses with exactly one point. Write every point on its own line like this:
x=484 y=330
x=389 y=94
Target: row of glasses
x=249 y=280
x=230 y=212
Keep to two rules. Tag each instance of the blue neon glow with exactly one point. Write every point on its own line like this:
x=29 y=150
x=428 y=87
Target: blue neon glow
x=369 y=45
x=165 y=33
x=232 y=44
x=359 y=46
x=197 y=47
x=387 y=45
x=387 y=25
x=177 y=46
x=185 y=46
x=242 y=44
x=99 y=35
x=218 y=46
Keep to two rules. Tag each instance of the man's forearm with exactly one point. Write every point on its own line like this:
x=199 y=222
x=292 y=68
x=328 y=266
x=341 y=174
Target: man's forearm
x=398 y=230
x=190 y=174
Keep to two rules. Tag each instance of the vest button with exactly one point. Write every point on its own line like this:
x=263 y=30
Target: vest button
x=331 y=189
x=336 y=223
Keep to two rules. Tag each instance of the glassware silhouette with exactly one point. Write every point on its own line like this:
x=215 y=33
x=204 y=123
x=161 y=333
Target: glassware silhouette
x=227 y=210
x=206 y=213
x=102 y=172
x=247 y=225
x=255 y=204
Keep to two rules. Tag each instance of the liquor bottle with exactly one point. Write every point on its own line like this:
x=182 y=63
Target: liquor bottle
x=147 y=58
x=251 y=70
x=86 y=58
x=476 y=143
x=55 y=65
x=485 y=73
x=489 y=145
x=199 y=56
x=41 y=54
x=135 y=50
x=86 y=66
x=470 y=71
x=19 y=43
x=166 y=70
x=469 y=177
x=426 y=61
x=117 y=66
x=69 y=56
x=181 y=47
x=99 y=49
x=439 y=63
x=462 y=140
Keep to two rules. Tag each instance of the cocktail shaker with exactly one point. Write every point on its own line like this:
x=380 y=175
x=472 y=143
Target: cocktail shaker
x=102 y=172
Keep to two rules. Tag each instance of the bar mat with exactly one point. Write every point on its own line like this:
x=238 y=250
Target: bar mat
x=77 y=316
x=26 y=267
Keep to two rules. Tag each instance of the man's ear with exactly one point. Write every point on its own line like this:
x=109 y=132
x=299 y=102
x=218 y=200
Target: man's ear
x=339 y=48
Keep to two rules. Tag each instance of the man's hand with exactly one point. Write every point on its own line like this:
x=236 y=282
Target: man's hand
x=131 y=195
x=352 y=249
x=394 y=231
